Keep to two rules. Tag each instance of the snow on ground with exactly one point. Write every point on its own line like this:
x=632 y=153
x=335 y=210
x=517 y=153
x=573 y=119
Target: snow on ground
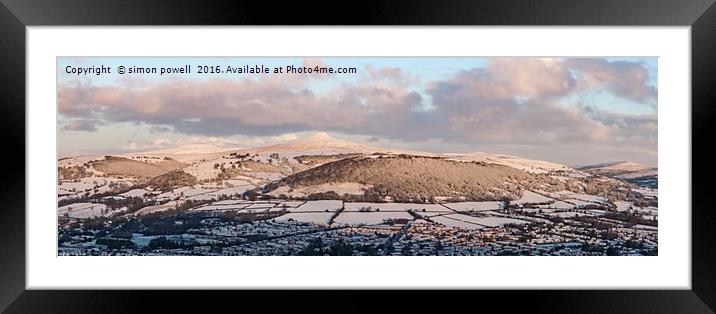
x=486 y=221
x=203 y=170
x=186 y=191
x=246 y=180
x=230 y=202
x=319 y=206
x=340 y=188
x=529 y=165
x=278 y=209
x=427 y=207
x=156 y=208
x=579 y=203
x=357 y=206
x=318 y=218
x=152 y=160
x=586 y=198
x=260 y=206
x=451 y=222
x=556 y=205
x=369 y=218
x=209 y=194
x=531 y=197
x=233 y=190
x=432 y=214
x=648 y=192
x=202 y=197
x=135 y=193
x=569 y=214
x=466 y=218
x=221 y=207
x=82 y=210
x=475 y=206
x=269 y=176
x=623 y=206
x=238 y=181
x=85 y=184
x=290 y=203
x=80 y=161
x=76 y=189
x=256 y=209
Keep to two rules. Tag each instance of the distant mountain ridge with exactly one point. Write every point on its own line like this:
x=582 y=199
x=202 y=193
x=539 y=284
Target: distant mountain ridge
x=626 y=170
x=269 y=163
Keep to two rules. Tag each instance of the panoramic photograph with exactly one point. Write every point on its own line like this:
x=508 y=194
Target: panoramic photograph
x=357 y=156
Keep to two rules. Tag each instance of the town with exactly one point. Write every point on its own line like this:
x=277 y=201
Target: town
x=244 y=227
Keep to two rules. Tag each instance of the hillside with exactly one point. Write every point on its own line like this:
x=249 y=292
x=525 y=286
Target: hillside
x=626 y=171
x=415 y=178
x=84 y=167
x=112 y=165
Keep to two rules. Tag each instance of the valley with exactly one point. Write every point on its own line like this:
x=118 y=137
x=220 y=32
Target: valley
x=318 y=195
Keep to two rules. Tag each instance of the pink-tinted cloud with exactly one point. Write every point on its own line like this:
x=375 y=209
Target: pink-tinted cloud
x=623 y=78
x=80 y=125
x=510 y=101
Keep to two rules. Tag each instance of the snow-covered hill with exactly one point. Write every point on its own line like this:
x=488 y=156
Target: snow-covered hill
x=201 y=160
x=626 y=170
x=316 y=144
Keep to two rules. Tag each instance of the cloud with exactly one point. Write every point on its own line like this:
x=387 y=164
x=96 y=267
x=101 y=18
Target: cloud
x=148 y=145
x=623 y=78
x=530 y=77
x=509 y=101
x=626 y=128
x=207 y=141
x=223 y=107
x=80 y=125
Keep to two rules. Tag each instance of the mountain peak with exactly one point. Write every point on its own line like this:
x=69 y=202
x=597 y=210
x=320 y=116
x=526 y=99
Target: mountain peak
x=317 y=142
x=319 y=137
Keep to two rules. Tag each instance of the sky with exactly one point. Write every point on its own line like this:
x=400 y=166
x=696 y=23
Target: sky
x=576 y=111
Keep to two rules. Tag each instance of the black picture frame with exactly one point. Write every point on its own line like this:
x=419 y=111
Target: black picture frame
x=700 y=15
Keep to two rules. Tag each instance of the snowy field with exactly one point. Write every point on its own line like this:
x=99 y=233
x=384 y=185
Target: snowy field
x=452 y=222
x=135 y=193
x=475 y=206
x=569 y=214
x=290 y=204
x=82 y=210
x=221 y=207
x=624 y=206
x=486 y=221
x=317 y=218
x=230 y=202
x=432 y=214
x=91 y=185
x=529 y=197
x=369 y=218
x=557 y=205
x=318 y=206
x=579 y=203
x=157 y=208
x=587 y=198
x=356 y=207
